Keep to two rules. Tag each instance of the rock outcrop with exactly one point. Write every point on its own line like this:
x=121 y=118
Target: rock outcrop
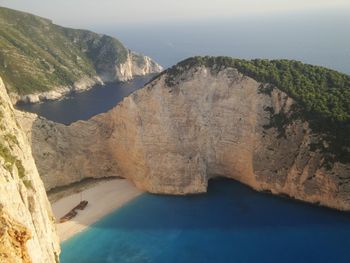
x=27 y=230
x=135 y=65
x=174 y=137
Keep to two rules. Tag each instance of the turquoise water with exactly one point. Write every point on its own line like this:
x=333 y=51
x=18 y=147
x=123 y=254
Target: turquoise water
x=231 y=223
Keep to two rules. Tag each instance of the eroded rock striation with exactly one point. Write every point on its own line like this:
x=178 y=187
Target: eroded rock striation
x=27 y=230
x=181 y=130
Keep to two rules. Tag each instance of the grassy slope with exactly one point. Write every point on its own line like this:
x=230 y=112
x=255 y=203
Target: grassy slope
x=36 y=55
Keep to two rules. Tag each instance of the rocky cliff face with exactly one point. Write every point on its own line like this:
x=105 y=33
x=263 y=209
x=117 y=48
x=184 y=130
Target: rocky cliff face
x=173 y=137
x=27 y=230
x=135 y=65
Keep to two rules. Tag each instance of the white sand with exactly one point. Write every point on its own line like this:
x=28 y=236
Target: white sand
x=103 y=198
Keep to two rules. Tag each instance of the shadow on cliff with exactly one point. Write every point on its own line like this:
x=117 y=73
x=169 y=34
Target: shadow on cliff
x=227 y=205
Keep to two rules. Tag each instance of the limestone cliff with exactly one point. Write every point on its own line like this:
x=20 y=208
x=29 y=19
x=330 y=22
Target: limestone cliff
x=179 y=131
x=135 y=65
x=27 y=230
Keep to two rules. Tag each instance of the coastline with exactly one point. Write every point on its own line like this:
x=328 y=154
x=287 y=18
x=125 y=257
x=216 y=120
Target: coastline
x=57 y=93
x=104 y=197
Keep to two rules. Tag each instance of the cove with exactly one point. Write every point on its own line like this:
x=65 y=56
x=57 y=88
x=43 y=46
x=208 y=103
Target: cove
x=230 y=223
x=84 y=105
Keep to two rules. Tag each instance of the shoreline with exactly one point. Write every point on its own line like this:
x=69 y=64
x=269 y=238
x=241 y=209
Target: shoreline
x=104 y=197
x=63 y=92
x=56 y=93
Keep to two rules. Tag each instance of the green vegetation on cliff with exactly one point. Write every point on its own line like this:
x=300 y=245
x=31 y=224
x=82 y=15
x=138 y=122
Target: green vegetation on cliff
x=37 y=55
x=10 y=160
x=320 y=91
x=7 y=142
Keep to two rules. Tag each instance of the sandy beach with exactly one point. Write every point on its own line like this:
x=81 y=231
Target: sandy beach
x=103 y=198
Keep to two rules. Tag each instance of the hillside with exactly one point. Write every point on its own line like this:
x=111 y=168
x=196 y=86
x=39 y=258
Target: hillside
x=39 y=56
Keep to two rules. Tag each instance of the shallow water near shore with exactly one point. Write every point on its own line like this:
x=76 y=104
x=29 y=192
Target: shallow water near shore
x=231 y=223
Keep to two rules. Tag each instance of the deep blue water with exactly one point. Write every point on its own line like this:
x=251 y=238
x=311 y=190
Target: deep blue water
x=231 y=223
x=84 y=105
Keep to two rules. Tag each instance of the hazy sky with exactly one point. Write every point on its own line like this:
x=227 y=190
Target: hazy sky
x=106 y=12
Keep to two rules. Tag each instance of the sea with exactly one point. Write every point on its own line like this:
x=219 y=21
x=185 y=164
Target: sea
x=230 y=223
x=314 y=37
x=83 y=105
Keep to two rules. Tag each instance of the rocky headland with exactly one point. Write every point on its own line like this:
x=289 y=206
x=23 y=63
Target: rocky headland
x=43 y=61
x=201 y=119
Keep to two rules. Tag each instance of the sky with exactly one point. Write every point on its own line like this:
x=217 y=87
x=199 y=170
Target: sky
x=83 y=13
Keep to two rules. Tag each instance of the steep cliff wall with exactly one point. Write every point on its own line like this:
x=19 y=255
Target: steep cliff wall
x=27 y=230
x=135 y=65
x=173 y=136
